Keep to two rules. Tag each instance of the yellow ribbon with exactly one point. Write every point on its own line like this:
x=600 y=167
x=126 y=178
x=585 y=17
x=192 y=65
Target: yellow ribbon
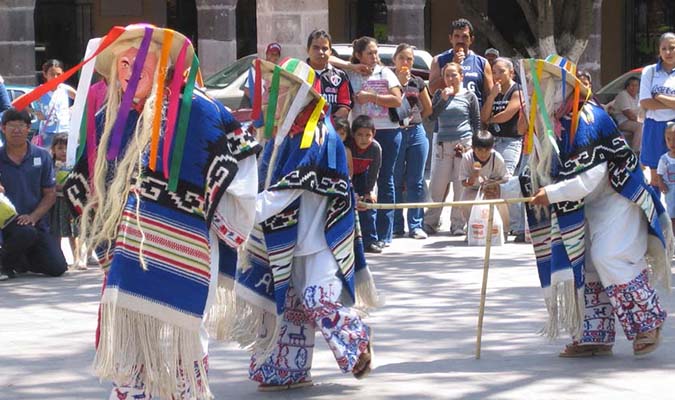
x=308 y=134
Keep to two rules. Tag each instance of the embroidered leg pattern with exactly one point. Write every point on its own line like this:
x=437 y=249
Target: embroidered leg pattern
x=598 y=316
x=291 y=360
x=636 y=305
x=341 y=326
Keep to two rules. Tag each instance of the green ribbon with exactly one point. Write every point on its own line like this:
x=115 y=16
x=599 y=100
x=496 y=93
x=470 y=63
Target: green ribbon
x=272 y=103
x=184 y=118
x=542 y=107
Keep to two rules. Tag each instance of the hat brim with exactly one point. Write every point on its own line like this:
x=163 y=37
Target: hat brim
x=556 y=71
x=132 y=36
x=267 y=69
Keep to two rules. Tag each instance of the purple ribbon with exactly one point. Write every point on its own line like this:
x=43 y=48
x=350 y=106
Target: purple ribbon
x=128 y=98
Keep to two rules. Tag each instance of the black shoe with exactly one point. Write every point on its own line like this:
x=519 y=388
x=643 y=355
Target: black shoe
x=7 y=273
x=399 y=235
x=373 y=248
x=382 y=244
x=520 y=238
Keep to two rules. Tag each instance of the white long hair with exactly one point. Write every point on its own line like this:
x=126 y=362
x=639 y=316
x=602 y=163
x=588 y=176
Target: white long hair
x=109 y=197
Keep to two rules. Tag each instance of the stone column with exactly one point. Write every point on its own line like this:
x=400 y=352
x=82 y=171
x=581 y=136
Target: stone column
x=405 y=19
x=217 y=34
x=289 y=22
x=17 y=41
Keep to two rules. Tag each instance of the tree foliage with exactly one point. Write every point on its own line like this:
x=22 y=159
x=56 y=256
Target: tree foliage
x=557 y=26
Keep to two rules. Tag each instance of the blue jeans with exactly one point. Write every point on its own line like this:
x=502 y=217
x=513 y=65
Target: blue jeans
x=511 y=149
x=366 y=218
x=390 y=141
x=409 y=173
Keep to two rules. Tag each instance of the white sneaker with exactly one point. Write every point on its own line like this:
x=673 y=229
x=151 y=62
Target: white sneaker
x=458 y=232
x=418 y=233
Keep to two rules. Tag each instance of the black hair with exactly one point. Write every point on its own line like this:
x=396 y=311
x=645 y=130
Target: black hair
x=15 y=115
x=363 y=121
x=629 y=80
x=319 y=34
x=359 y=45
x=460 y=24
x=341 y=123
x=60 y=138
x=483 y=140
x=53 y=63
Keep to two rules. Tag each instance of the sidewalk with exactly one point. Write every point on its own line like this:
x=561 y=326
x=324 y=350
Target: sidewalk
x=424 y=338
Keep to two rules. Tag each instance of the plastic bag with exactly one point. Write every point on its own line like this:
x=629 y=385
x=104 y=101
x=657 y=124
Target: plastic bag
x=478 y=225
x=7 y=211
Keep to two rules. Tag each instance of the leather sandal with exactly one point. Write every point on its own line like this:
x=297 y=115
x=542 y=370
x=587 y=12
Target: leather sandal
x=575 y=350
x=266 y=387
x=650 y=340
x=362 y=367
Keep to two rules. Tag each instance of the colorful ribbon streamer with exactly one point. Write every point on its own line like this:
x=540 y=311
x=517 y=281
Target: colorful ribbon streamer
x=308 y=134
x=172 y=114
x=181 y=135
x=128 y=97
x=538 y=96
x=159 y=99
x=272 y=103
x=25 y=100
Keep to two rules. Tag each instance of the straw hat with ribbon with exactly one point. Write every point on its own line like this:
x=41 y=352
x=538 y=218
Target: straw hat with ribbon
x=297 y=77
x=175 y=50
x=563 y=70
x=133 y=36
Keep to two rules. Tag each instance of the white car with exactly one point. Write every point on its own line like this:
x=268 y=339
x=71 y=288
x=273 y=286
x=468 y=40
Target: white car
x=421 y=64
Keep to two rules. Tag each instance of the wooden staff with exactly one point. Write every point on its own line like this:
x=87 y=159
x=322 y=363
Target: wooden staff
x=397 y=206
x=483 y=289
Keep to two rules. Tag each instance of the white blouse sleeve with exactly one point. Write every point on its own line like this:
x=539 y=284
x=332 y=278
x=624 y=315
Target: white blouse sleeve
x=270 y=203
x=235 y=213
x=575 y=189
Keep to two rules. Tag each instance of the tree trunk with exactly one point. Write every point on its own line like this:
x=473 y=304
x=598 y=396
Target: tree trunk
x=482 y=23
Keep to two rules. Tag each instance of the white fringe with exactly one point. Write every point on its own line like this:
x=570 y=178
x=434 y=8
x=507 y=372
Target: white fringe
x=163 y=356
x=659 y=258
x=221 y=316
x=366 y=293
x=565 y=310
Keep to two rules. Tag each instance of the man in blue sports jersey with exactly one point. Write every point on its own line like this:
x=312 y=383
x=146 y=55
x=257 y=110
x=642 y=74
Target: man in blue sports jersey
x=477 y=70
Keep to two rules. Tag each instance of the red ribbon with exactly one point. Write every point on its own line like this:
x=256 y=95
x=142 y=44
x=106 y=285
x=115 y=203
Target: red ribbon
x=25 y=100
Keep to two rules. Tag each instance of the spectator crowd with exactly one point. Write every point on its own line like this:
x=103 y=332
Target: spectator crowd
x=474 y=101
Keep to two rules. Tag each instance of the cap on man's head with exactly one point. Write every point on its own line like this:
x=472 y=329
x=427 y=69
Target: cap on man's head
x=273 y=47
x=492 y=51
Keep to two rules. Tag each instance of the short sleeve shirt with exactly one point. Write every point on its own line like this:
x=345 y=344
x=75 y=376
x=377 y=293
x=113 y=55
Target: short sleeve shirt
x=24 y=182
x=624 y=101
x=493 y=170
x=55 y=107
x=380 y=81
x=333 y=84
x=656 y=80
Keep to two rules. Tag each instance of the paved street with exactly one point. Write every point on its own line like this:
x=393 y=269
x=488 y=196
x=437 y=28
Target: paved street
x=424 y=338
